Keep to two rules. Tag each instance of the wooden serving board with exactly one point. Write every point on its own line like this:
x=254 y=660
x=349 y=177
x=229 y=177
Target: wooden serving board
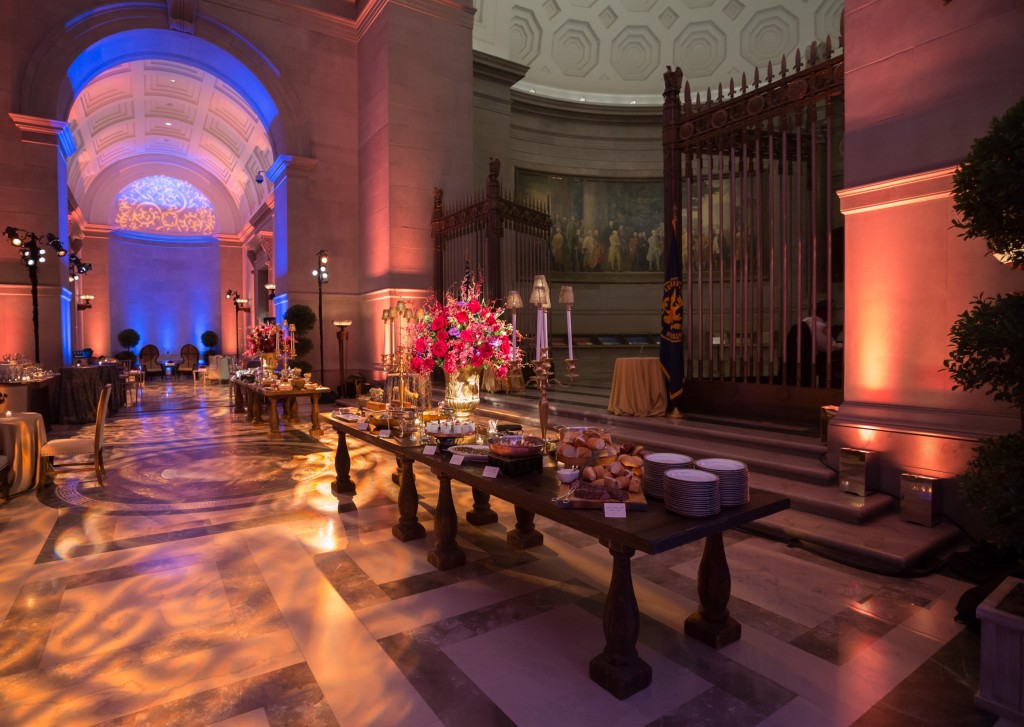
x=636 y=500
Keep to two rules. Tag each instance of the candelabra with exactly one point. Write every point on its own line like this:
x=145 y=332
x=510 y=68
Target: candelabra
x=543 y=373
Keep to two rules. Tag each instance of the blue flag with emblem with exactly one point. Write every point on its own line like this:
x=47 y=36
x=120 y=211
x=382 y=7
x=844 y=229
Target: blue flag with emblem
x=672 y=344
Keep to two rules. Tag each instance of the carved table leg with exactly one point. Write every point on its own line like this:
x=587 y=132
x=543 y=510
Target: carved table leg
x=236 y=390
x=525 y=534
x=274 y=432
x=446 y=553
x=619 y=668
x=481 y=514
x=396 y=476
x=343 y=485
x=256 y=407
x=291 y=409
x=711 y=623
x=408 y=526
x=316 y=431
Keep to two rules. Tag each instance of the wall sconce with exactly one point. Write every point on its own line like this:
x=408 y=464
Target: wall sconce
x=259 y=176
x=85 y=301
x=271 y=290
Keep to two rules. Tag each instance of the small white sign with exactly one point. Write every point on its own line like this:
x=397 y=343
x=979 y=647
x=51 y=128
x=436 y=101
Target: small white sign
x=385 y=432
x=457 y=459
x=491 y=471
x=362 y=426
x=615 y=509
x=430 y=449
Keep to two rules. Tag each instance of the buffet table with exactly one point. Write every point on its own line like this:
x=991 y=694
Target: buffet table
x=638 y=388
x=619 y=669
x=22 y=435
x=253 y=392
x=39 y=395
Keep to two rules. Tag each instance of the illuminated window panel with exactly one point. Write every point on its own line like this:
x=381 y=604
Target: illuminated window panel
x=166 y=205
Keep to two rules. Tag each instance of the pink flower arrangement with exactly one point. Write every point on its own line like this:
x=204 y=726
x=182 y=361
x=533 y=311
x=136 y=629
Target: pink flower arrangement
x=262 y=338
x=463 y=331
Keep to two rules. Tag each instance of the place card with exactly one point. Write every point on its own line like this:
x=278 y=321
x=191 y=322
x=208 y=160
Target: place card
x=457 y=459
x=430 y=449
x=491 y=471
x=385 y=432
x=362 y=425
x=615 y=509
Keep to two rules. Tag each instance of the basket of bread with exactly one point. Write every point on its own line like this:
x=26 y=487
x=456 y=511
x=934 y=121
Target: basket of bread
x=581 y=446
x=616 y=478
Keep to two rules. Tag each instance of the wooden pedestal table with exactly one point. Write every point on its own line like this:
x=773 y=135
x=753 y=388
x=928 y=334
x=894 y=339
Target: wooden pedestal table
x=619 y=668
x=290 y=397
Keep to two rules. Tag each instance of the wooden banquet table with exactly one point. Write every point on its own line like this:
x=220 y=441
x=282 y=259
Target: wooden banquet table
x=638 y=388
x=248 y=399
x=22 y=435
x=619 y=669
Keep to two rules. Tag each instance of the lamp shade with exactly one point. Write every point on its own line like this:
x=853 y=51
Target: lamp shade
x=513 y=301
x=541 y=295
x=565 y=295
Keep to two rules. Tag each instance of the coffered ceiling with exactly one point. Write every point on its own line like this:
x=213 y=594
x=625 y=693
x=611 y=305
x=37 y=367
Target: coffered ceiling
x=614 y=51
x=172 y=118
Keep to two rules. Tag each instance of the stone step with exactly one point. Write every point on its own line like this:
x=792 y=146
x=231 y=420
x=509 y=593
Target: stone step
x=888 y=545
x=779 y=453
x=828 y=502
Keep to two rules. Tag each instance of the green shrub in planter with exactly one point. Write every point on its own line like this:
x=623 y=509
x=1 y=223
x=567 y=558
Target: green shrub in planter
x=994 y=487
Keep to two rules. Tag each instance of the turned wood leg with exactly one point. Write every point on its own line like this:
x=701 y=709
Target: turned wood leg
x=343 y=485
x=619 y=668
x=316 y=431
x=481 y=514
x=525 y=534
x=396 y=476
x=408 y=526
x=256 y=406
x=446 y=553
x=274 y=433
x=236 y=391
x=711 y=623
x=291 y=407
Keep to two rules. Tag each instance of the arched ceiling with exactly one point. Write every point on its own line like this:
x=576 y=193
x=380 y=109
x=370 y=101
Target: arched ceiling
x=169 y=114
x=614 y=51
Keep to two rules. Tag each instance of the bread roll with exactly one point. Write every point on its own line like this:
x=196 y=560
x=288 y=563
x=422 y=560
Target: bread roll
x=569 y=451
x=589 y=474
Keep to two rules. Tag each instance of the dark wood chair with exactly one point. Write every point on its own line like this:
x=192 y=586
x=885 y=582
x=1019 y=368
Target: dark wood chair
x=148 y=360
x=189 y=360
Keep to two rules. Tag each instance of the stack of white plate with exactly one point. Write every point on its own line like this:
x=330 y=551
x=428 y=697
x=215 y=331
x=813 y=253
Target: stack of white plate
x=655 y=466
x=691 y=492
x=733 y=479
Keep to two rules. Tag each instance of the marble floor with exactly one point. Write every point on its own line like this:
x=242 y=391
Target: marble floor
x=213 y=582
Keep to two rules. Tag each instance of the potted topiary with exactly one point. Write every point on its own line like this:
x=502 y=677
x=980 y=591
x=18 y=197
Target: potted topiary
x=128 y=338
x=209 y=339
x=987 y=340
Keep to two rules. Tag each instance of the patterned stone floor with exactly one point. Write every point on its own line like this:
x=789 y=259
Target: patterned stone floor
x=213 y=582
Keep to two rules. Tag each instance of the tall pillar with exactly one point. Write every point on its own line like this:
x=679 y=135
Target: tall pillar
x=36 y=199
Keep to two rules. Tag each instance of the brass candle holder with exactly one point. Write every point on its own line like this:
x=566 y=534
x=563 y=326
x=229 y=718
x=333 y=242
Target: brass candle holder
x=543 y=378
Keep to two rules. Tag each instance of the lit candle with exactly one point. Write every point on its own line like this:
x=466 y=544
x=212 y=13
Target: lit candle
x=291 y=339
x=277 y=339
x=565 y=296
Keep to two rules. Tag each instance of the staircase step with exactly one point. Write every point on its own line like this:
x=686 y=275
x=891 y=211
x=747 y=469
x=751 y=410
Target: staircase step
x=888 y=546
x=791 y=456
x=828 y=502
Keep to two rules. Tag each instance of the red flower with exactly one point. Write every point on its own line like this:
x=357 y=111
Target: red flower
x=442 y=335
x=467 y=336
x=462 y=317
x=421 y=345
x=437 y=324
x=439 y=349
x=474 y=306
x=477 y=359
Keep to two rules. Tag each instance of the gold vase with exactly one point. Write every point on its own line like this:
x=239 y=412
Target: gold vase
x=462 y=391
x=268 y=360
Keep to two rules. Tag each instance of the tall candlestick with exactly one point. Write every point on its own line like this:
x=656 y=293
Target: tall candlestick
x=568 y=327
x=515 y=338
x=547 y=344
x=540 y=330
x=277 y=340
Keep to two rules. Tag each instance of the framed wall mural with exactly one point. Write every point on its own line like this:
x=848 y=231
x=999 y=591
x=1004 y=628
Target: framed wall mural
x=600 y=225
